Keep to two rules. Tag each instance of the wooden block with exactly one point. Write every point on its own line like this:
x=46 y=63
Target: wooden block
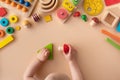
x=48 y=18
x=68 y=5
x=6 y=41
x=110 y=19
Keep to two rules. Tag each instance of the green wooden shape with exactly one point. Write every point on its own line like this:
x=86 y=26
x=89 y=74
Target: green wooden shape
x=113 y=43
x=50 y=48
x=75 y=2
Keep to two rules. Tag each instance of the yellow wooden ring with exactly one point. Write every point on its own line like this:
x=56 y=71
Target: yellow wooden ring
x=13 y=19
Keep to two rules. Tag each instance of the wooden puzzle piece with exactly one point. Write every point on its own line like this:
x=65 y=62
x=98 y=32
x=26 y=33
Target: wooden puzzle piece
x=111 y=2
x=6 y=41
x=93 y=7
x=110 y=19
x=113 y=43
x=50 y=48
x=68 y=5
x=111 y=35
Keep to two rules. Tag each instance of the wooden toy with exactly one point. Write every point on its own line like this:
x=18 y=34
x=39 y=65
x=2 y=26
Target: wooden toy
x=50 y=48
x=62 y=13
x=13 y=19
x=110 y=19
x=113 y=43
x=118 y=27
x=48 y=5
x=48 y=18
x=24 y=7
x=26 y=24
x=84 y=17
x=111 y=2
x=68 y=5
x=93 y=7
x=111 y=35
x=94 y=21
x=2 y=33
x=36 y=17
x=3 y=12
x=6 y=41
x=10 y=30
x=18 y=28
x=75 y=2
x=4 y=22
x=76 y=14
x=64 y=48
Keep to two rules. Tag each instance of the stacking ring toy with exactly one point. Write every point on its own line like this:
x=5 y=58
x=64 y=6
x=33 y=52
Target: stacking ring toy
x=62 y=13
x=10 y=30
x=2 y=33
x=13 y=19
x=4 y=22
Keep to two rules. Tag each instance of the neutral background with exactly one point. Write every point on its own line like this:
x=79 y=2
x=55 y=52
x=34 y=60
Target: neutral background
x=98 y=60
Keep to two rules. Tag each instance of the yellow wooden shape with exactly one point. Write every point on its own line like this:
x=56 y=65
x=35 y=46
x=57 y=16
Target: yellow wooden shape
x=6 y=41
x=93 y=7
x=68 y=5
x=48 y=18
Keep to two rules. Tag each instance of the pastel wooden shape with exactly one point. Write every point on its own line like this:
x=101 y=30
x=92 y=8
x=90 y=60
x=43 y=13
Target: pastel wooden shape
x=111 y=35
x=50 y=48
x=6 y=41
x=68 y=5
x=110 y=19
x=48 y=6
x=118 y=27
x=113 y=43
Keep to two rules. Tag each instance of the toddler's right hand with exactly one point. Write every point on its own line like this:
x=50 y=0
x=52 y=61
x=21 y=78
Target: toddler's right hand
x=70 y=56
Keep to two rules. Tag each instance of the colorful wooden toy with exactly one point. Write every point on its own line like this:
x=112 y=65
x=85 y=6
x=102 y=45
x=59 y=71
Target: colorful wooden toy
x=26 y=24
x=110 y=19
x=94 y=21
x=118 y=27
x=13 y=19
x=111 y=2
x=2 y=33
x=10 y=30
x=36 y=17
x=84 y=17
x=26 y=7
x=6 y=41
x=75 y=2
x=48 y=18
x=111 y=35
x=50 y=48
x=62 y=13
x=3 y=12
x=76 y=14
x=4 y=22
x=113 y=43
x=64 y=48
x=48 y=5
x=93 y=7
x=68 y=5
x=18 y=28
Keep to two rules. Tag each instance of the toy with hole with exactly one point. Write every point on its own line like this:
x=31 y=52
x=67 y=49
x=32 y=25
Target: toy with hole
x=110 y=19
x=50 y=48
x=4 y=22
x=64 y=48
x=23 y=6
x=2 y=33
x=93 y=7
x=48 y=5
x=13 y=19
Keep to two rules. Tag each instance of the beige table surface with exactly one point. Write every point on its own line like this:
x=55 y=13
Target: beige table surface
x=98 y=60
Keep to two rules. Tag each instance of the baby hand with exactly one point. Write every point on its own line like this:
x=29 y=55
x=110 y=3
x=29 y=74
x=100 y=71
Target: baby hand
x=70 y=56
x=43 y=55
